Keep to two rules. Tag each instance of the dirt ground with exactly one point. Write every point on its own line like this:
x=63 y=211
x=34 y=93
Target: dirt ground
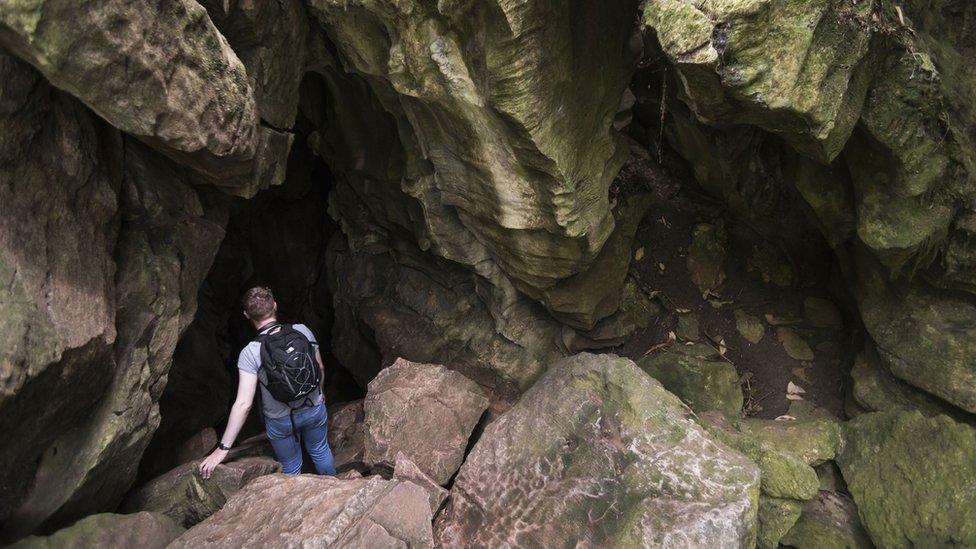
x=762 y=284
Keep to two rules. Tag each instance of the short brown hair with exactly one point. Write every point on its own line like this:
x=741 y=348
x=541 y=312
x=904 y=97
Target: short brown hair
x=258 y=303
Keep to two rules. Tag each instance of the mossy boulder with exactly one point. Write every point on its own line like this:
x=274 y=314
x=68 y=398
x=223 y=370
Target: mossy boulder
x=784 y=474
x=795 y=68
x=598 y=451
x=828 y=521
x=697 y=375
x=926 y=338
x=776 y=517
x=812 y=440
x=911 y=477
x=876 y=389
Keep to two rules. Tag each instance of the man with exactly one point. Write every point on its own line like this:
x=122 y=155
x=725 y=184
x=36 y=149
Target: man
x=287 y=423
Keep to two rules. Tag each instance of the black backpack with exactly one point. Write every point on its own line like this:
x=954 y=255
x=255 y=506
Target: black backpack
x=288 y=360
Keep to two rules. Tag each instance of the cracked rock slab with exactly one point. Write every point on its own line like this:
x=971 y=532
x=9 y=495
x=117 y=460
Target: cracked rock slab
x=424 y=411
x=597 y=453
x=316 y=511
x=184 y=496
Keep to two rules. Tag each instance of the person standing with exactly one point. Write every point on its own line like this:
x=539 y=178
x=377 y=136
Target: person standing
x=286 y=362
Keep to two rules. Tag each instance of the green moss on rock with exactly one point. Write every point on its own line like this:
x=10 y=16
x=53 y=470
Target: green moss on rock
x=784 y=474
x=776 y=517
x=911 y=477
x=698 y=376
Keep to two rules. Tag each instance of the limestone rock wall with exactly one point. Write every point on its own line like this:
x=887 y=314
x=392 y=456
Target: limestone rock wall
x=473 y=151
x=873 y=104
x=105 y=243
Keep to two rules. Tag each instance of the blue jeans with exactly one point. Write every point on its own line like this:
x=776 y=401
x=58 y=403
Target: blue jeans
x=312 y=426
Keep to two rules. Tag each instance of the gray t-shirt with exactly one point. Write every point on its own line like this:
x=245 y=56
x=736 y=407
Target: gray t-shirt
x=250 y=361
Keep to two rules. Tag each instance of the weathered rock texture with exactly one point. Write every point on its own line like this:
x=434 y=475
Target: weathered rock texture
x=124 y=241
x=699 y=376
x=160 y=72
x=149 y=530
x=476 y=143
x=424 y=412
x=910 y=477
x=865 y=111
x=313 y=511
x=346 y=434
x=596 y=452
x=785 y=452
x=186 y=497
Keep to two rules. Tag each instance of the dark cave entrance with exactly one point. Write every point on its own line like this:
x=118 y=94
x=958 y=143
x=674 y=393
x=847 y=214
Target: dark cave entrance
x=279 y=239
x=781 y=311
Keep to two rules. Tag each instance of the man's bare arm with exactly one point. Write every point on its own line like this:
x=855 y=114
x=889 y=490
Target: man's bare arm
x=238 y=415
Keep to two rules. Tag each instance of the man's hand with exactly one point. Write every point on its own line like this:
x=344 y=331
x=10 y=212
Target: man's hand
x=208 y=465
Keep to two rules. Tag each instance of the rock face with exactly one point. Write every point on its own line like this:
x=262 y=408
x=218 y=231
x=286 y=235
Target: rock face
x=874 y=106
x=424 y=412
x=407 y=470
x=149 y=530
x=461 y=145
x=105 y=321
x=597 y=452
x=184 y=496
x=161 y=73
x=313 y=511
x=903 y=495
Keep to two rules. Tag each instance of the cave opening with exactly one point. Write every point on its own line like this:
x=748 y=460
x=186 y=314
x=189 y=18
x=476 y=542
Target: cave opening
x=278 y=239
x=742 y=268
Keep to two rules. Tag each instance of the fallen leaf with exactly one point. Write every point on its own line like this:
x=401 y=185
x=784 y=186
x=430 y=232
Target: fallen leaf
x=639 y=254
x=793 y=397
x=785 y=418
x=794 y=389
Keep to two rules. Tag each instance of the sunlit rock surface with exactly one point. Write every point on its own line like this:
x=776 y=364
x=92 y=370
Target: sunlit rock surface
x=598 y=452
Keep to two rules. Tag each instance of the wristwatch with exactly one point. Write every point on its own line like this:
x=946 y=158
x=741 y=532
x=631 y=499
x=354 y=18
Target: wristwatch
x=222 y=447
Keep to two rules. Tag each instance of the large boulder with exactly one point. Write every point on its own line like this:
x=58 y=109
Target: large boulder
x=795 y=68
x=910 y=476
x=876 y=389
x=597 y=452
x=144 y=530
x=424 y=411
x=315 y=511
x=786 y=452
x=186 y=497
